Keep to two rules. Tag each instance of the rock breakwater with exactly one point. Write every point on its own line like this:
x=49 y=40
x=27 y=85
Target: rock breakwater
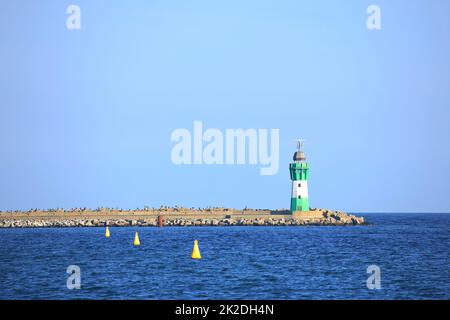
x=182 y=218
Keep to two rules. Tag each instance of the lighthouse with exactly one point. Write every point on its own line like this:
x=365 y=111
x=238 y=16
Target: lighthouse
x=299 y=170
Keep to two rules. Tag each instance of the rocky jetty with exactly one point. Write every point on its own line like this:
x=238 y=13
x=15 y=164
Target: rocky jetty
x=174 y=217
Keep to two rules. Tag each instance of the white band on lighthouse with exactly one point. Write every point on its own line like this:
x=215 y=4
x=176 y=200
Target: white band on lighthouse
x=300 y=188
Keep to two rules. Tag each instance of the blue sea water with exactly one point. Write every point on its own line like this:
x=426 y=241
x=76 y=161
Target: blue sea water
x=317 y=262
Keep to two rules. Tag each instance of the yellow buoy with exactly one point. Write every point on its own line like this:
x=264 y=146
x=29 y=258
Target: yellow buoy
x=136 y=241
x=107 y=234
x=196 y=251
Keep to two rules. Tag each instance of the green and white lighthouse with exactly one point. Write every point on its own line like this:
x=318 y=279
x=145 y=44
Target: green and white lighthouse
x=299 y=171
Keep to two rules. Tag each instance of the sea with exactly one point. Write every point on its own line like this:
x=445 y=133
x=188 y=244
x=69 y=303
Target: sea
x=395 y=256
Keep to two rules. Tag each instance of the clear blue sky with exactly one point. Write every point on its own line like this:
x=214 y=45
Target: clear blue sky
x=86 y=115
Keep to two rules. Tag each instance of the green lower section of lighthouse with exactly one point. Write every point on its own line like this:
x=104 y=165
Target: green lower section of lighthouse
x=299 y=204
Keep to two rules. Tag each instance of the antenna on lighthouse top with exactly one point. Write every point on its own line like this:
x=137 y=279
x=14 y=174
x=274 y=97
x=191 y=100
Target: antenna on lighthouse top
x=300 y=144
